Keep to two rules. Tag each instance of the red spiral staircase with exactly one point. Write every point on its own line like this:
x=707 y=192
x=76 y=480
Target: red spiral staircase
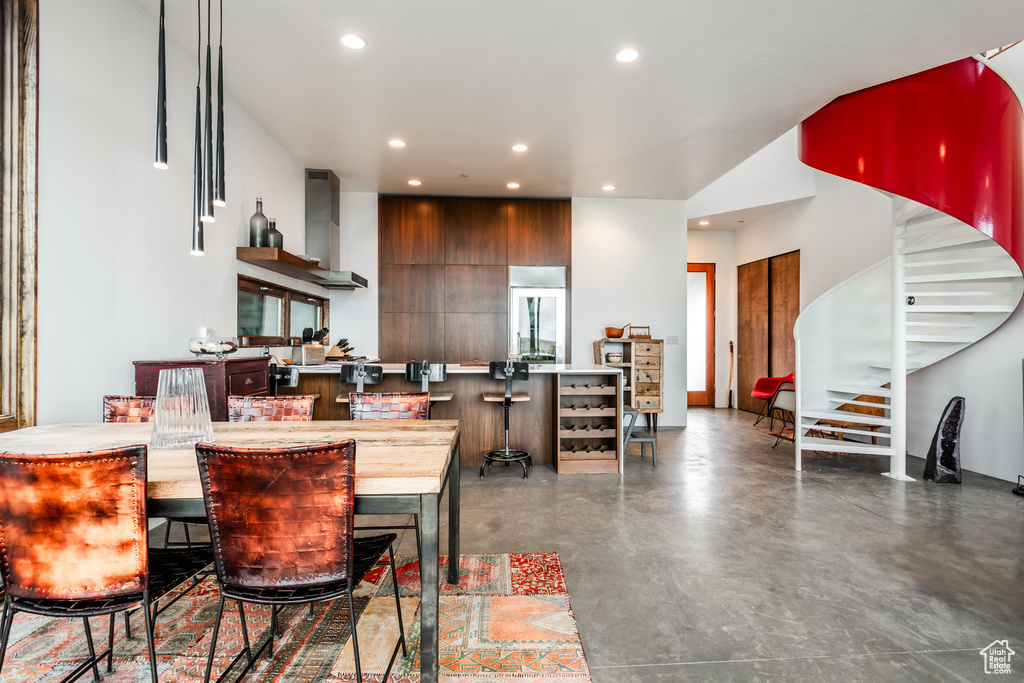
x=947 y=145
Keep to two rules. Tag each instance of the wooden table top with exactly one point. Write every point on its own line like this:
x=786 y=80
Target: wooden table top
x=392 y=457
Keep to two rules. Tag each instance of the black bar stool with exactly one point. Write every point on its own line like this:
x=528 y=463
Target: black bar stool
x=508 y=371
x=359 y=374
x=426 y=372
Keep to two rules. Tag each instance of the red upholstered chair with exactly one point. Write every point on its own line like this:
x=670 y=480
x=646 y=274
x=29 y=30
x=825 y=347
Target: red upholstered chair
x=270 y=408
x=397 y=406
x=765 y=389
x=128 y=408
x=75 y=543
x=300 y=547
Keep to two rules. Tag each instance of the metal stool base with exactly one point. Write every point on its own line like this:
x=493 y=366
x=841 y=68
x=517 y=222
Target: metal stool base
x=507 y=456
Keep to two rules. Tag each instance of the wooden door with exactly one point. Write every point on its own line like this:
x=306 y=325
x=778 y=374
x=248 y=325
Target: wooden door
x=704 y=395
x=752 y=338
x=784 y=295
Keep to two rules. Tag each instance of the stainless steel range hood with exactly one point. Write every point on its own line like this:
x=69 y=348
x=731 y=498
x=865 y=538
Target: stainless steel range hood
x=323 y=213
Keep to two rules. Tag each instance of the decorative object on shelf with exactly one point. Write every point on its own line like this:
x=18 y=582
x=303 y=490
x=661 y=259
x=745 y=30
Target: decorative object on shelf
x=258 y=226
x=644 y=333
x=207 y=211
x=615 y=332
x=218 y=185
x=181 y=416
x=160 y=156
x=614 y=356
x=208 y=344
x=943 y=462
x=197 y=165
x=274 y=238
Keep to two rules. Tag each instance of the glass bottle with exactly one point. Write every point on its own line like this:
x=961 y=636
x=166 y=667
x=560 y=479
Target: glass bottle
x=258 y=226
x=274 y=238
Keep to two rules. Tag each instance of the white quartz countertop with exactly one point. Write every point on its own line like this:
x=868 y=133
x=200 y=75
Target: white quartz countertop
x=455 y=368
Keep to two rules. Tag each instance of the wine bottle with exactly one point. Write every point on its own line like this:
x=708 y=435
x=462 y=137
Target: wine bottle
x=258 y=226
x=274 y=238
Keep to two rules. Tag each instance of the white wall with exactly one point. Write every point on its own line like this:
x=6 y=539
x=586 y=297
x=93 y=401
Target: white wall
x=709 y=246
x=774 y=175
x=629 y=266
x=354 y=312
x=116 y=281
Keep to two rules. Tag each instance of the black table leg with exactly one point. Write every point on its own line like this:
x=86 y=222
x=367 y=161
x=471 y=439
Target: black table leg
x=429 y=594
x=453 y=516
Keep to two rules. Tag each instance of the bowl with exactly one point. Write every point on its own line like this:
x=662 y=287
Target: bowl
x=614 y=356
x=614 y=332
x=212 y=346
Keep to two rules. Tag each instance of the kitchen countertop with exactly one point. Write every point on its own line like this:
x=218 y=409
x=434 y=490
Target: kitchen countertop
x=455 y=368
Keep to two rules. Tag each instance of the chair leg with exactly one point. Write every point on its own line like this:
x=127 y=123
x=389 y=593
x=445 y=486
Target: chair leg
x=150 y=627
x=213 y=639
x=128 y=624
x=761 y=414
x=355 y=639
x=245 y=630
x=110 y=644
x=92 y=649
x=398 y=605
x=654 y=453
x=310 y=617
x=5 y=629
x=419 y=550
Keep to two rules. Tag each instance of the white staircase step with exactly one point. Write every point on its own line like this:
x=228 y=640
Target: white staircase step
x=964 y=277
x=909 y=209
x=979 y=308
x=887 y=365
x=1002 y=260
x=810 y=443
x=839 y=400
x=846 y=430
x=941 y=338
x=930 y=222
x=944 y=323
x=859 y=389
x=961 y=293
x=844 y=416
x=978 y=239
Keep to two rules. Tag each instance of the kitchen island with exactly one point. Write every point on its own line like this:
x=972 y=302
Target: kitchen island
x=572 y=420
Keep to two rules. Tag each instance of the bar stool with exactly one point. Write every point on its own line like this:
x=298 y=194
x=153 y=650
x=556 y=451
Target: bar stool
x=426 y=372
x=508 y=371
x=359 y=374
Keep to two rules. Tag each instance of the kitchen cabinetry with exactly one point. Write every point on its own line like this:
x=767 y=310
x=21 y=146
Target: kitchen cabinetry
x=589 y=424
x=224 y=377
x=642 y=363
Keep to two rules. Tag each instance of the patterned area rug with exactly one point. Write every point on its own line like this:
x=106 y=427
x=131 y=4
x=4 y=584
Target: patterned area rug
x=508 y=621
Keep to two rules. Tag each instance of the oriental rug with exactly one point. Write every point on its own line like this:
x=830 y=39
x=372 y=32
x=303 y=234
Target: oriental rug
x=509 y=621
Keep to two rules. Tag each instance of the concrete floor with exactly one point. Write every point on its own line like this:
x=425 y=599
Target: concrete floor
x=725 y=564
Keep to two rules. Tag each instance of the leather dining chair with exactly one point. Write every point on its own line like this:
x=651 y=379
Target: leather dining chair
x=270 y=408
x=301 y=548
x=75 y=544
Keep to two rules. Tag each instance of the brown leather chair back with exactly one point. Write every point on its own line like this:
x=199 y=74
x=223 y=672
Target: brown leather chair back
x=279 y=517
x=73 y=525
x=128 y=408
x=399 y=406
x=270 y=408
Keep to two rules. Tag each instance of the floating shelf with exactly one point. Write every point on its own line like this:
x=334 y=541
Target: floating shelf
x=281 y=261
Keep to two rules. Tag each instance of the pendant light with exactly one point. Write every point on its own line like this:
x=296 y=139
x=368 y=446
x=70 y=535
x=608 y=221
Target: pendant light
x=218 y=176
x=160 y=157
x=207 y=206
x=197 y=178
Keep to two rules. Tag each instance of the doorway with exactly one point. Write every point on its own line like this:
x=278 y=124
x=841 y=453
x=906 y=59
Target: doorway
x=700 y=334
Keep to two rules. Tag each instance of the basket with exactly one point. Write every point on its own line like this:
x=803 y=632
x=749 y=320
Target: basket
x=639 y=332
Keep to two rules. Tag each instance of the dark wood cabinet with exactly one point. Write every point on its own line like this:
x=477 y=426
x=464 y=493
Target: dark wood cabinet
x=475 y=336
x=229 y=376
x=412 y=289
x=476 y=289
x=411 y=230
x=539 y=232
x=411 y=336
x=476 y=232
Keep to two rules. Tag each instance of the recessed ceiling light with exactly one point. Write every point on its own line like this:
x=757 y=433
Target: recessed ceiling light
x=519 y=147
x=396 y=143
x=415 y=182
x=704 y=223
x=627 y=54
x=608 y=188
x=356 y=42
x=513 y=186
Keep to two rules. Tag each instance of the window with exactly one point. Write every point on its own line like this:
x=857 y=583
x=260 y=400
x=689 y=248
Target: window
x=272 y=315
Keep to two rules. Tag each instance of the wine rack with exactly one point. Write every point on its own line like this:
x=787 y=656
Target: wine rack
x=588 y=438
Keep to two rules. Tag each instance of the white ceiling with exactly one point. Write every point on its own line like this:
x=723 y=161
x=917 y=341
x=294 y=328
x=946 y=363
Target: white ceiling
x=462 y=80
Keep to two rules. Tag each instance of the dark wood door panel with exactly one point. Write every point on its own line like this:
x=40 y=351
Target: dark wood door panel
x=784 y=275
x=412 y=289
x=752 y=331
x=411 y=336
x=411 y=230
x=476 y=231
x=476 y=289
x=539 y=232
x=475 y=336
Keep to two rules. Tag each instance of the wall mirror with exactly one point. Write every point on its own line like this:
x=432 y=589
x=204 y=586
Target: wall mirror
x=271 y=315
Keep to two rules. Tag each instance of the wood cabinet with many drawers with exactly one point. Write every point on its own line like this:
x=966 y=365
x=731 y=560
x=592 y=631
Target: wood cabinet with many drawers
x=642 y=361
x=226 y=377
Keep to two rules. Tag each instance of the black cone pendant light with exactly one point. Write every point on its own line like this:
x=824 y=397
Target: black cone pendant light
x=218 y=177
x=160 y=157
x=207 y=207
x=197 y=183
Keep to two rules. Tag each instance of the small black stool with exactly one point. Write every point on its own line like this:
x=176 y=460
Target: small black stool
x=508 y=371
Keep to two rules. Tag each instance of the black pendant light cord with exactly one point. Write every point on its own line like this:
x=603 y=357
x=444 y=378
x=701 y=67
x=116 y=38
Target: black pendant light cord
x=219 y=197
x=197 y=164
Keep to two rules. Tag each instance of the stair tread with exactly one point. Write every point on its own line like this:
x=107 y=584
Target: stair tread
x=966 y=308
x=941 y=338
x=812 y=443
x=853 y=402
x=930 y=221
x=962 y=241
x=887 y=365
x=959 y=261
x=937 y=323
x=845 y=416
x=964 y=292
x=846 y=430
x=859 y=389
x=964 y=277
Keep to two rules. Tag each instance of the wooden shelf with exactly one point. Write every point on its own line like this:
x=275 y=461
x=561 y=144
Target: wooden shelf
x=589 y=433
x=603 y=411
x=280 y=261
x=587 y=390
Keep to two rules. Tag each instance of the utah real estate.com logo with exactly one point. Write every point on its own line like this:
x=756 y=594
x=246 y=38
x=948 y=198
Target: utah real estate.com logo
x=997 y=657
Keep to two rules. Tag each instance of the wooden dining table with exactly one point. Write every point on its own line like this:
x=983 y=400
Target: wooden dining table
x=401 y=467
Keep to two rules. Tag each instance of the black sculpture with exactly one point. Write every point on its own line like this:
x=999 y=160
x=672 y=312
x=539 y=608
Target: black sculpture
x=943 y=463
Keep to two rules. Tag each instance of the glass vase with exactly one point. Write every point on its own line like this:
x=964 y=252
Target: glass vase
x=181 y=416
